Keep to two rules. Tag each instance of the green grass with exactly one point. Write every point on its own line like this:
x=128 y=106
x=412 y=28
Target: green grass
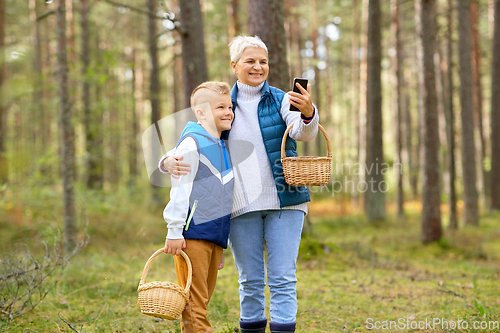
x=348 y=270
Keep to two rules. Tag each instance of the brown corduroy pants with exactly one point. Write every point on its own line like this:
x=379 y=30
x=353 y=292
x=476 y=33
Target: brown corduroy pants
x=205 y=258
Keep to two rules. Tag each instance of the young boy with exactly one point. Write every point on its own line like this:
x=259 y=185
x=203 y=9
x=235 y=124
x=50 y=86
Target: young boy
x=200 y=204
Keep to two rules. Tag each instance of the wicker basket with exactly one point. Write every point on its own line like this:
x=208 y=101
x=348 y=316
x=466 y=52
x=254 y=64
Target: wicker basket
x=164 y=300
x=306 y=170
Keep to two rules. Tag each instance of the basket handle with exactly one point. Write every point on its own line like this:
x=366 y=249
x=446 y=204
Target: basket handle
x=158 y=252
x=283 y=154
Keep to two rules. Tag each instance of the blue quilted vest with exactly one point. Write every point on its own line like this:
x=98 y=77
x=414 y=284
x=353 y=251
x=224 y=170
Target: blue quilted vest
x=211 y=199
x=273 y=127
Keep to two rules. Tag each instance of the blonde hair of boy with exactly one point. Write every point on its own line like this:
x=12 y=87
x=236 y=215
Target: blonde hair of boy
x=199 y=97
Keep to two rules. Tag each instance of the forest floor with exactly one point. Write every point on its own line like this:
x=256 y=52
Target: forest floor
x=353 y=276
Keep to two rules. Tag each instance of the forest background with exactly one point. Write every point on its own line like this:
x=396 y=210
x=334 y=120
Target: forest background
x=409 y=88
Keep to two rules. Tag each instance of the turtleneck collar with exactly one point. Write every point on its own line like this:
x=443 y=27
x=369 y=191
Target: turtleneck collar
x=248 y=93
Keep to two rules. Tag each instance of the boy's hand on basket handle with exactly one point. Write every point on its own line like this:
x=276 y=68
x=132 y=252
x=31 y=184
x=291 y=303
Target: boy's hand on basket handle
x=174 y=246
x=221 y=266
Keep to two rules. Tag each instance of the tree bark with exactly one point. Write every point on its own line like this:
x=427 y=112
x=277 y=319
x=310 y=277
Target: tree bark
x=38 y=109
x=235 y=24
x=193 y=47
x=471 y=214
x=87 y=112
x=266 y=19
x=450 y=122
x=431 y=214
x=4 y=171
x=315 y=93
x=478 y=100
x=419 y=151
x=134 y=124
x=154 y=87
x=363 y=86
x=67 y=132
x=375 y=194
x=495 y=112
x=355 y=71
x=94 y=136
x=397 y=61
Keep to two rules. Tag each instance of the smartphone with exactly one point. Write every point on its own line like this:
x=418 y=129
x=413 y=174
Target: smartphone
x=303 y=83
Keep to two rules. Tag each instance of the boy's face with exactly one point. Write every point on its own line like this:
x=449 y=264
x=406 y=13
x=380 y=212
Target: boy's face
x=222 y=111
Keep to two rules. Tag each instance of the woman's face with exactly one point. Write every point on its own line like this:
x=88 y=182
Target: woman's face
x=252 y=68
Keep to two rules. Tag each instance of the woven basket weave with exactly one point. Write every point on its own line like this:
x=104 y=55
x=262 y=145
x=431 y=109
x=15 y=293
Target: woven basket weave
x=306 y=170
x=164 y=300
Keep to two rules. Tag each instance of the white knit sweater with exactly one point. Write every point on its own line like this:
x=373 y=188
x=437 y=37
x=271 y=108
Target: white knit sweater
x=254 y=187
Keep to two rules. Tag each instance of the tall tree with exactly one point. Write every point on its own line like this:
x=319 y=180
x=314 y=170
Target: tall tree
x=154 y=86
x=38 y=104
x=450 y=121
x=495 y=112
x=94 y=133
x=478 y=98
x=194 y=64
x=416 y=170
x=375 y=194
x=355 y=72
x=87 y=112
x=266 y=19
x=397 y=60
x=431 y=214
x=4 y=174
x=67 y=132
x=363 y=88
x=134 y=123
x=471 y=213
x=235 y=26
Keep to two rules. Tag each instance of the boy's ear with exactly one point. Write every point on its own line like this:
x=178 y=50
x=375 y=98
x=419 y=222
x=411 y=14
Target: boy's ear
x=200 y=114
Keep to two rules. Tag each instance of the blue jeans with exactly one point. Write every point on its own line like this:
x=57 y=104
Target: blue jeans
x=281 y=236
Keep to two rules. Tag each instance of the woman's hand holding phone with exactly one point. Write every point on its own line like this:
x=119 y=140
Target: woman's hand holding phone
x=300 y=98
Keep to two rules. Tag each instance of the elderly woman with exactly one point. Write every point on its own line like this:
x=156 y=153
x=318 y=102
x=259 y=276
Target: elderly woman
x=267 y=214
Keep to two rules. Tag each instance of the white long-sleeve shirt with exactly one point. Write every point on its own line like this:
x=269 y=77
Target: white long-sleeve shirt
x=175 y=213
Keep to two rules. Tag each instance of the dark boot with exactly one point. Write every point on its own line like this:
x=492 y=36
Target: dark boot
x=282 y=328
x=253 y=326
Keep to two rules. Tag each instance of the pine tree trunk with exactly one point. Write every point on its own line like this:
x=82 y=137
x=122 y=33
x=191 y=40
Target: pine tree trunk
x=397 y=103
x=47 y=168
x=4 y=170
x=94 y=137
x=419 y=151
x=495 y=113
x=355 y=69
x=193 y=47
x=266 y=19
x=431 y=214
x=67 y=132
x=471 y=213
x=154 y=89
x=87 y=112
x=235 y=26
x=450 y=122
x=375 y=194
x=478 y=100
x=363 y=86
x=315 y=93
x=134 y=124
x=409 y=147
x=38 y=110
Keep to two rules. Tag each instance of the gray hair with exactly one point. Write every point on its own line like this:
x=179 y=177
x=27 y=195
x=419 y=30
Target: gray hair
x=240 y=43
